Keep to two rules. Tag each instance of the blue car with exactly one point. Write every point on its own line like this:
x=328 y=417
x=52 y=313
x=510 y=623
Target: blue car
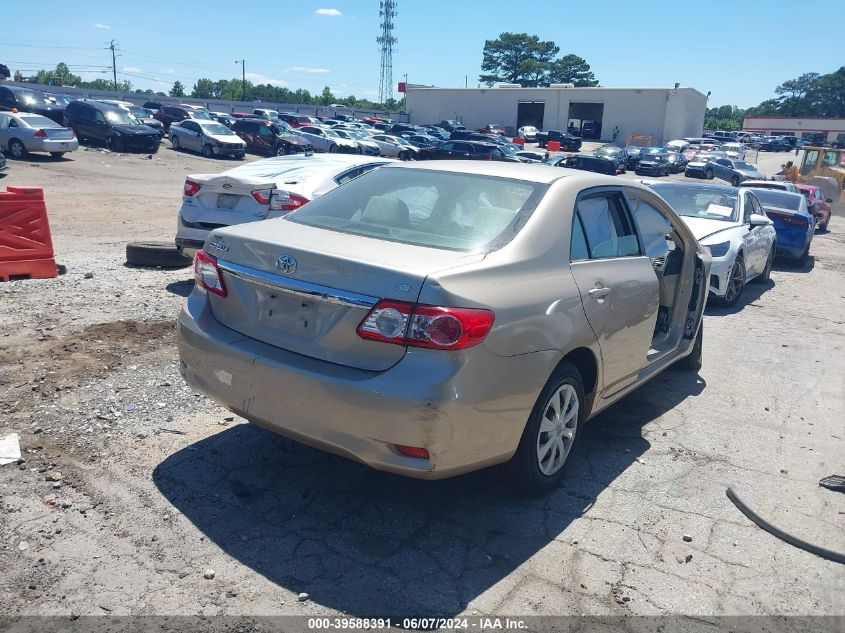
x=794 y=224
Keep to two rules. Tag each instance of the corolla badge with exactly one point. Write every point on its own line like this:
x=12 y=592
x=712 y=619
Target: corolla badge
x=286 y=263
x=218 y=246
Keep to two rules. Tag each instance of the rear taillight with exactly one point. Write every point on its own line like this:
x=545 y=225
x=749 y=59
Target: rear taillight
x=262 y=196
x=788 y=220
x=207 y=274
x=73 y=132
x=191 y=187
x=418 y=325
x=412 y=451
x=286 y=201
x=40 y=134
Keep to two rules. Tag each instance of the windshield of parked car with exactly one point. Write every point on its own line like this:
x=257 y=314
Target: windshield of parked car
x=711 y=203
x=611 y=152
x=781 y=199
x=216 y=128
x=37 y=121
x=199 y=114
x=738 y=164
x=139 y=113
x=438 y=209
x=121 y=117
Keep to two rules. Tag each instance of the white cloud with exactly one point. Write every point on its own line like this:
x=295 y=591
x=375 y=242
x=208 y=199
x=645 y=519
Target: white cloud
x=132 y=69
x=170 y=71
x=258 y=78
x=308 y=69
x=332 y=12
x=102 y=26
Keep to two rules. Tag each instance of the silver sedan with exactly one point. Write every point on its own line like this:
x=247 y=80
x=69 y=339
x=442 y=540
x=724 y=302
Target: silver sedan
x=22 y=132
x=432 y=319
x=210 y=138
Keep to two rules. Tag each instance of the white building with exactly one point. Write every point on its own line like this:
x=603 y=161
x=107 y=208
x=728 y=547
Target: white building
x=663 y=113
x=832 y=128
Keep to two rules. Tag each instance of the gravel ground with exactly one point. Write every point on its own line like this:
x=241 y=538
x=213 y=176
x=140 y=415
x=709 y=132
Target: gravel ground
x=133 y=490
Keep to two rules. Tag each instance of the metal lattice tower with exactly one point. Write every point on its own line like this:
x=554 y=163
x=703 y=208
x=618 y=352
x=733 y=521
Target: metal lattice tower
x=387 y=11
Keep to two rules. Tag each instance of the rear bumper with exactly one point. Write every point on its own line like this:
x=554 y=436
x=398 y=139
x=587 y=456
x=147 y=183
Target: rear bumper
x=233 y=151
x=468 y=411
x=793 y=243
x=52 y=145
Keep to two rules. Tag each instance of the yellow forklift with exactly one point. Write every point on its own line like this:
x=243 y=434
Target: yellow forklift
x=825 y=168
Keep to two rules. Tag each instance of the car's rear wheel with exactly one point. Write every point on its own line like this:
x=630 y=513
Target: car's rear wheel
x=735 y=181
x=112 y=143
x=332 y=149
x=281 y=151
x=801 y=260
x=207 y=151
x=708 y=173
x=736 y=283
x=175 y=143
x=17 y=149
x=766 y=275
x=549 y=436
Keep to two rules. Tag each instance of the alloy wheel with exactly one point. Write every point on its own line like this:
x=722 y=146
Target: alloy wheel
x=735 y=283
x=557 y=429
x=16 y=149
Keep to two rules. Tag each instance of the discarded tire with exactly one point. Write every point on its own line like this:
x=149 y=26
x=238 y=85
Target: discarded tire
x=155 y=254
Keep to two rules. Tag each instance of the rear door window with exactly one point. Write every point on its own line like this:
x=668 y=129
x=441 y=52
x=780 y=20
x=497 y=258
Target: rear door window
x=607 y=226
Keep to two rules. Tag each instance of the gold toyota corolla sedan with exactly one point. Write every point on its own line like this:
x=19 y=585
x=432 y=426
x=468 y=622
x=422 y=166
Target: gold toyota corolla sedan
x=429 y=319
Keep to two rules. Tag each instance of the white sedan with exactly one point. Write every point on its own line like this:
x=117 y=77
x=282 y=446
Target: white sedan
x=210 y=138
x=732 y=224
x=325 y=140
x=260 y=190
x=528 y=132
x=395 y=146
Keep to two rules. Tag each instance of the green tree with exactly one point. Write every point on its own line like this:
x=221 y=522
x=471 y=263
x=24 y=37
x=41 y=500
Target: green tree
x=62 y=72
x=203 y=89
x=828 y=94
x=326 y=97
x=517 y=58
x=571 y=69
x=178 y=90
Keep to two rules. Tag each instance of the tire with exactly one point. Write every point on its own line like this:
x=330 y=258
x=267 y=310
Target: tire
x=207 y=151
x=766 y=275
x=113 y=144
x=240 y=156
x=280 y=150
x=332 y=149
x=175 y=143
x=801 y=260
x=732 y=295
x=735 y=181
x=17 y=149
x=57 y=154
x=526 y=468
x=155 y=254
x=693 y=362
x=404 y=156
x=708 y=173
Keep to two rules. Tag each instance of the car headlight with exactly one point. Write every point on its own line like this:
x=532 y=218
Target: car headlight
x=719 y=250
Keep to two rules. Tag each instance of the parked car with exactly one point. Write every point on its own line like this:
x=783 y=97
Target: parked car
x=144 y=115
x=24 y=132
x=677 y=146
x=734 y=151
x=397 y=129
x=583 y=162
x=698 y=165
x=266 y=113
x=437 y=132
x=372 y=308
x=677 y=161
x=793 y=222
x=210 y=138
x=775 y=145
x=471 y=150
x=395 y=146
x=155 y=106
x=226 y=119
x=492 y=128
x=732 y=171
x=567 y=141
x=817 y=204
x=26 y=100
x=653 y=165
x=114 y=127
x=777 y=185
x=326 y=140
x=528 y=132
x=632 y=155
x=361 y=139
x=173 y=114
x=732 y=225
x=615 y=154
x=451 y=125
x=272 y=138
x=259 y=190
x=531 y=157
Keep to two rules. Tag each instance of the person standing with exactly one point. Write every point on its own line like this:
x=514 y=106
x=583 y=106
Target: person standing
x=615 y=133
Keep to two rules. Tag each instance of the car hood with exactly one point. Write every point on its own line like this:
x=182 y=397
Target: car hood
x=704 y=228
x=752 y=175
x=226 y=138
x=154 y=123
x=135 y=130
x=293 y=140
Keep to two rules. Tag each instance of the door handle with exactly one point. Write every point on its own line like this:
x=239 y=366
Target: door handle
x=599 y=293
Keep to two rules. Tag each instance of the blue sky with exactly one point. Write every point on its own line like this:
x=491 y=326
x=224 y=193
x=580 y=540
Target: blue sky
x=737 y=50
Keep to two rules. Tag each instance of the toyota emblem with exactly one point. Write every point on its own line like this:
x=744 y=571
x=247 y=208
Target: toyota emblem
x=286 y=263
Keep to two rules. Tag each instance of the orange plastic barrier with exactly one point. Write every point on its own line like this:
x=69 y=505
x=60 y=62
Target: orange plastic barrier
x=518 y=140
x=26 y=249
x=553 y=146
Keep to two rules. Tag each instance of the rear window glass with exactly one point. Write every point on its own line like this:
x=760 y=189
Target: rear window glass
x=782 y=199
x=39 y=121
x=427 y=208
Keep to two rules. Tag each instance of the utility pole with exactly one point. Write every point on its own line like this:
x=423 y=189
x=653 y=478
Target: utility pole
x=113 y=64
x=242 y=62
x=387 y=11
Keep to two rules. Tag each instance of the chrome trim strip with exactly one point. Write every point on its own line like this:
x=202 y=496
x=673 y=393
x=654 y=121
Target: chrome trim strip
x=299 y=287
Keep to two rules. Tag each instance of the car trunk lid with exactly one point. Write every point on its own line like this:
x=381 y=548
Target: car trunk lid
x=226 y=200
x=306 y=289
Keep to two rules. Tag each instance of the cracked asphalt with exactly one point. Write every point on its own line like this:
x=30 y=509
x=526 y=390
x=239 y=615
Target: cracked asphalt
x=133 y=486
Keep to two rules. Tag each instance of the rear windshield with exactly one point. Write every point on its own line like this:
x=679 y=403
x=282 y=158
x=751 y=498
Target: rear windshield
x=782 y=199
x=428 y=208
x=39 y=121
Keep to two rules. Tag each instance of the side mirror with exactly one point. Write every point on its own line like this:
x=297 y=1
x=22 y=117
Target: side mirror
x=759 y=220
